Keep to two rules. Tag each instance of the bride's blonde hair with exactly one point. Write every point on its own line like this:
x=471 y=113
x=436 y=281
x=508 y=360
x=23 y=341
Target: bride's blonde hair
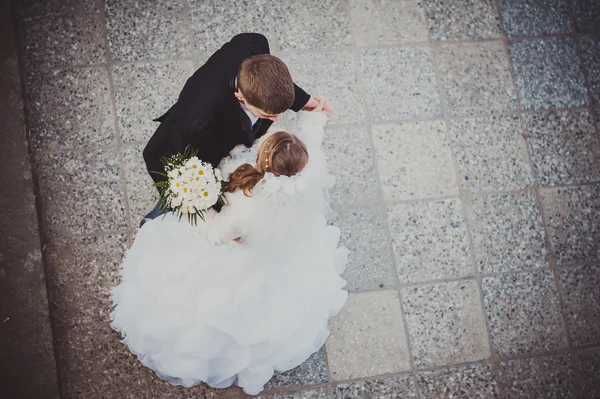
x=281 y=154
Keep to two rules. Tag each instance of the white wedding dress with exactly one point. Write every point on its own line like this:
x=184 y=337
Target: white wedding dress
x=195 y=306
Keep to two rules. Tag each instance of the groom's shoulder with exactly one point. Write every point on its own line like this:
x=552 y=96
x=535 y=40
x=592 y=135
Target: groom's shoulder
x=240 y=47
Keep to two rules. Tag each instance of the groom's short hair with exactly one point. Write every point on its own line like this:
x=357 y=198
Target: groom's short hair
x=265 y=82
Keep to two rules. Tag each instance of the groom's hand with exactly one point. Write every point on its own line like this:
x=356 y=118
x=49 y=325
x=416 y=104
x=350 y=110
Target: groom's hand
x=314 y=102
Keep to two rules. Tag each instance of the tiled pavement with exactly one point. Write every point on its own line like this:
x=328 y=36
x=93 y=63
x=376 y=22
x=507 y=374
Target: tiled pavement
x=467 y=150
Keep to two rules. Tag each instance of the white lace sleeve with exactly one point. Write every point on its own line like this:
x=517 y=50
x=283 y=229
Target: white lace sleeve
x=310 y=129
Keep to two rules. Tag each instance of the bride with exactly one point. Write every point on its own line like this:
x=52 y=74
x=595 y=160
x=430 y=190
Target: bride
x=250 y=290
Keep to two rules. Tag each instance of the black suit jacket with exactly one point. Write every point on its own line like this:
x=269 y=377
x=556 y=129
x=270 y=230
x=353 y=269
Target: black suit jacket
x=207 y=116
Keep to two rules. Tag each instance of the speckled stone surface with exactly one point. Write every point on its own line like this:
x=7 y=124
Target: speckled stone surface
x=380 y=22
x=311 y=24
x=534 y=17
x=573 y=222
x=367 y=337
x=54 y=42
x=321 y=393
x=333 y=75
x=394 y=387
x=139 y=30
x=351 y=159
x=507 y=232
x=430 y=241
x=55 y=8
x=311 y=372
x=400 y=83
x=590 y=49
x=414 y=160
x=491 y=153
x=587 y=15
x=142 y=197
x=81 y=192
x=523 y=312
x=160 y=389
x=580 y=288
x=81 y=272
x=144 y=92
x=472 y=381
x=547 y=73
x=538 y=377
x=93 y=363
x=370 y=262
x=588 y=366
x=70 y=109
x=475 y=78
x=445 y=323
x=462 y=19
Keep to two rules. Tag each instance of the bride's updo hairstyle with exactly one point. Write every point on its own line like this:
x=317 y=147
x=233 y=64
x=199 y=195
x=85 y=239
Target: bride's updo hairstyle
x=281 y=154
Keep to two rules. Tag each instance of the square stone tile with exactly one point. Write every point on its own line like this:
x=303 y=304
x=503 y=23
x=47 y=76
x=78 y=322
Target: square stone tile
x=370 y=262
x=384 y=22
x=588 y=368
x=321 y=393
x=472 y=381
x=508 y=233
x=587 y=15
x=590 y=48
x=70 y=109
x=491 y=153
x=445 y=323
x=160 y=389
x=475 y=78
x=367 y=337
x=580 y=288
x=462 y=19
x=81 y=273
x=93 y=363
x=311 y=24
x=564 y=146
x=535 y=17
x=394 y=387
x=351 y=159
x=538 y=377
x=144 y=92
x=142 y=196
x=414 y=160
x=430 y=241
x=141 y=30
x=547 y=73
x=55 y=8
x=216 y=22
x=59 y=42
x=311 y=372
x=573 y=222
x=333 y=75
x=81 y=192
x=400 y=83
x=524 y=313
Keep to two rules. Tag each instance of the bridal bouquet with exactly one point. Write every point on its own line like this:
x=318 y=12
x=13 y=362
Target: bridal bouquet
x=192 y=186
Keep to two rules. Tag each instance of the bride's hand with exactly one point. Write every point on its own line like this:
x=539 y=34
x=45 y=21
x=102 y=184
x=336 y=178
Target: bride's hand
x=322 y=106
x=314 y=102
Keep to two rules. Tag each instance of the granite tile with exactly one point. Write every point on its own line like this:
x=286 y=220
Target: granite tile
x=400 y=83
x=462 y=19
x=590 y=49
x=350 y=156
x=93 y=363
x=508 y=233
x=547 y=73
x=580 y=287
x=141 y=195
x=80 y=273
x=445 y=323
x=382 y=22
x=588 y=368
x=475 y=78
x=139 y=30
x=311 y=372
x=564 y=147
x=367 y=337
x=538 y=377
x=587 y=15
x=333 y=75
x=491 y=153
x=370 y=263
x=55 y=8
x=310 y=24
x=81 y=192
x=393 y=387
x=160 y=389
x=573 y=222
x=523 y=311
x=321 y=393
x=430 y=241
x=70 y=109
x=144 y=92
x=472 y=381
x=414 y=160
x=535 y=17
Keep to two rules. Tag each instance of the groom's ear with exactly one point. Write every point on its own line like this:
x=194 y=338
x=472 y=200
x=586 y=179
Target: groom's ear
x=238 y=94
